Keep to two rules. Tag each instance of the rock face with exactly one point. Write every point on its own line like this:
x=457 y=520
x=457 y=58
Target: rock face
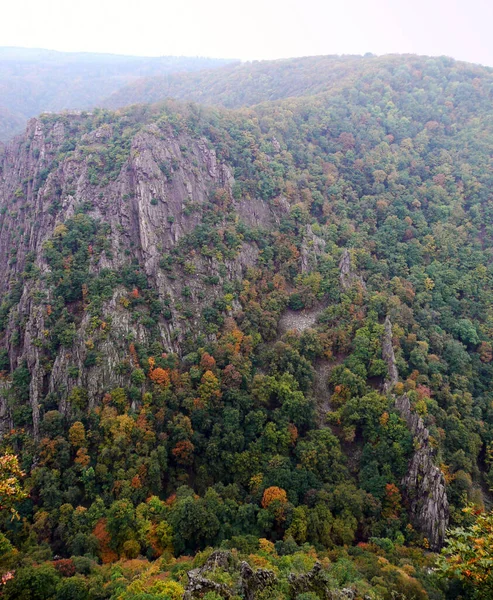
x=317 y=582
x=347 y=276
x=311 y=249
x=151 y=200
x=424 y=483
x=253 y=582
x=250 y=582
x=388 y=356
x=198 y=582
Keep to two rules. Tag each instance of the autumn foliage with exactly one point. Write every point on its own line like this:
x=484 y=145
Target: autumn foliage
x=101 y=533
x=272 y=494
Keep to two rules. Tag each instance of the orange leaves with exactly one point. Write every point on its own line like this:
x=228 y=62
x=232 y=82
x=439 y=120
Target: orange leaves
x=266 y=546
x=392 y=502
x=136 y=482
x=77 y=434
x=101 y=533
x=468 y=552
x=341 y=395
x=133 y=355
x=423 y=391
x=207 y=362
x=183 y=452
x=272 y=494
x=293 y=433
x=160 y=376
x=485 y=352
x=276 y=498
x=82 y=458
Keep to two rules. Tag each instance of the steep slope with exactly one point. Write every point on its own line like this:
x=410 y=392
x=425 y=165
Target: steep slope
x=34 y=81
x=149 y=259
x=148 y=214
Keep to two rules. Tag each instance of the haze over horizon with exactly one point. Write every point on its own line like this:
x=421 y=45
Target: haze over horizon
x=256 y=31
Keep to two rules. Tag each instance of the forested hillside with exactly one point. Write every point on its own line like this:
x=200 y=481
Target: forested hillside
x=34 y=81
x=251 y=83
x=266 y=331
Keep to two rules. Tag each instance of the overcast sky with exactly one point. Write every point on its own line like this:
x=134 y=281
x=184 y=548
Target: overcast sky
x=253 y=29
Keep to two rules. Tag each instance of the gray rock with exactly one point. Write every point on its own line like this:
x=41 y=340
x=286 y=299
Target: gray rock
x=178 y=174
x=424 y=484
x=388 y=356
x=347 y=276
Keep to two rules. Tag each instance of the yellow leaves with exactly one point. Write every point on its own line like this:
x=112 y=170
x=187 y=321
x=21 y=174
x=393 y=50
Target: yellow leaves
x=77 y=434
x=10 y=488
x=60 y=231
x=266 y=546
x=209 y=389
x=256 y=482
x=125 y=425
x=124 y=301
x=429 y=284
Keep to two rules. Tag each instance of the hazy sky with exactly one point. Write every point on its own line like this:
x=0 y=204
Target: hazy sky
x=253 y=29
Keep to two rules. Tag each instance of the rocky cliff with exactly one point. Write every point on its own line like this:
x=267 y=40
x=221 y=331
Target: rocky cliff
x=424 y=483
x=152 y=198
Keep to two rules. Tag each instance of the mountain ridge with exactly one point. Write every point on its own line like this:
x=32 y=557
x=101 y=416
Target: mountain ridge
x=242 y=328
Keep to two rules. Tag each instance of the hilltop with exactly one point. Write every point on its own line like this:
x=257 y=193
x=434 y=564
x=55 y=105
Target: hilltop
x=34 y=80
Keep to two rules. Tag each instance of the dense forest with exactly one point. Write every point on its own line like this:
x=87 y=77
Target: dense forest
x=247 y=352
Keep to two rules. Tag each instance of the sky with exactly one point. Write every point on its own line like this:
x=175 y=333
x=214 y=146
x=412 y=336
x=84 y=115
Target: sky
x=253 y=29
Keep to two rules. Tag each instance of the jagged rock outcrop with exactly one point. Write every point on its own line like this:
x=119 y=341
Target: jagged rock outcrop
x=253 y=582
x=424 y=483
x=250 y=582
x=317 y=582
x=5 y=416
x=151 y=201
x=311 y=248
x=347 y=276
x=198 y=582
x=388 y=356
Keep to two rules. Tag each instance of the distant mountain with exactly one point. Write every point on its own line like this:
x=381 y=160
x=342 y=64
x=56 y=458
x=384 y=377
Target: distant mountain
x=34 y=81
x=247 y=84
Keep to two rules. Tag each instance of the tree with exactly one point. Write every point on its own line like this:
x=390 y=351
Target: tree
x=121 y=522
x=272 y=494
x=11 y=490
x=77 y=434
x=32 y=583
x=468 y=554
